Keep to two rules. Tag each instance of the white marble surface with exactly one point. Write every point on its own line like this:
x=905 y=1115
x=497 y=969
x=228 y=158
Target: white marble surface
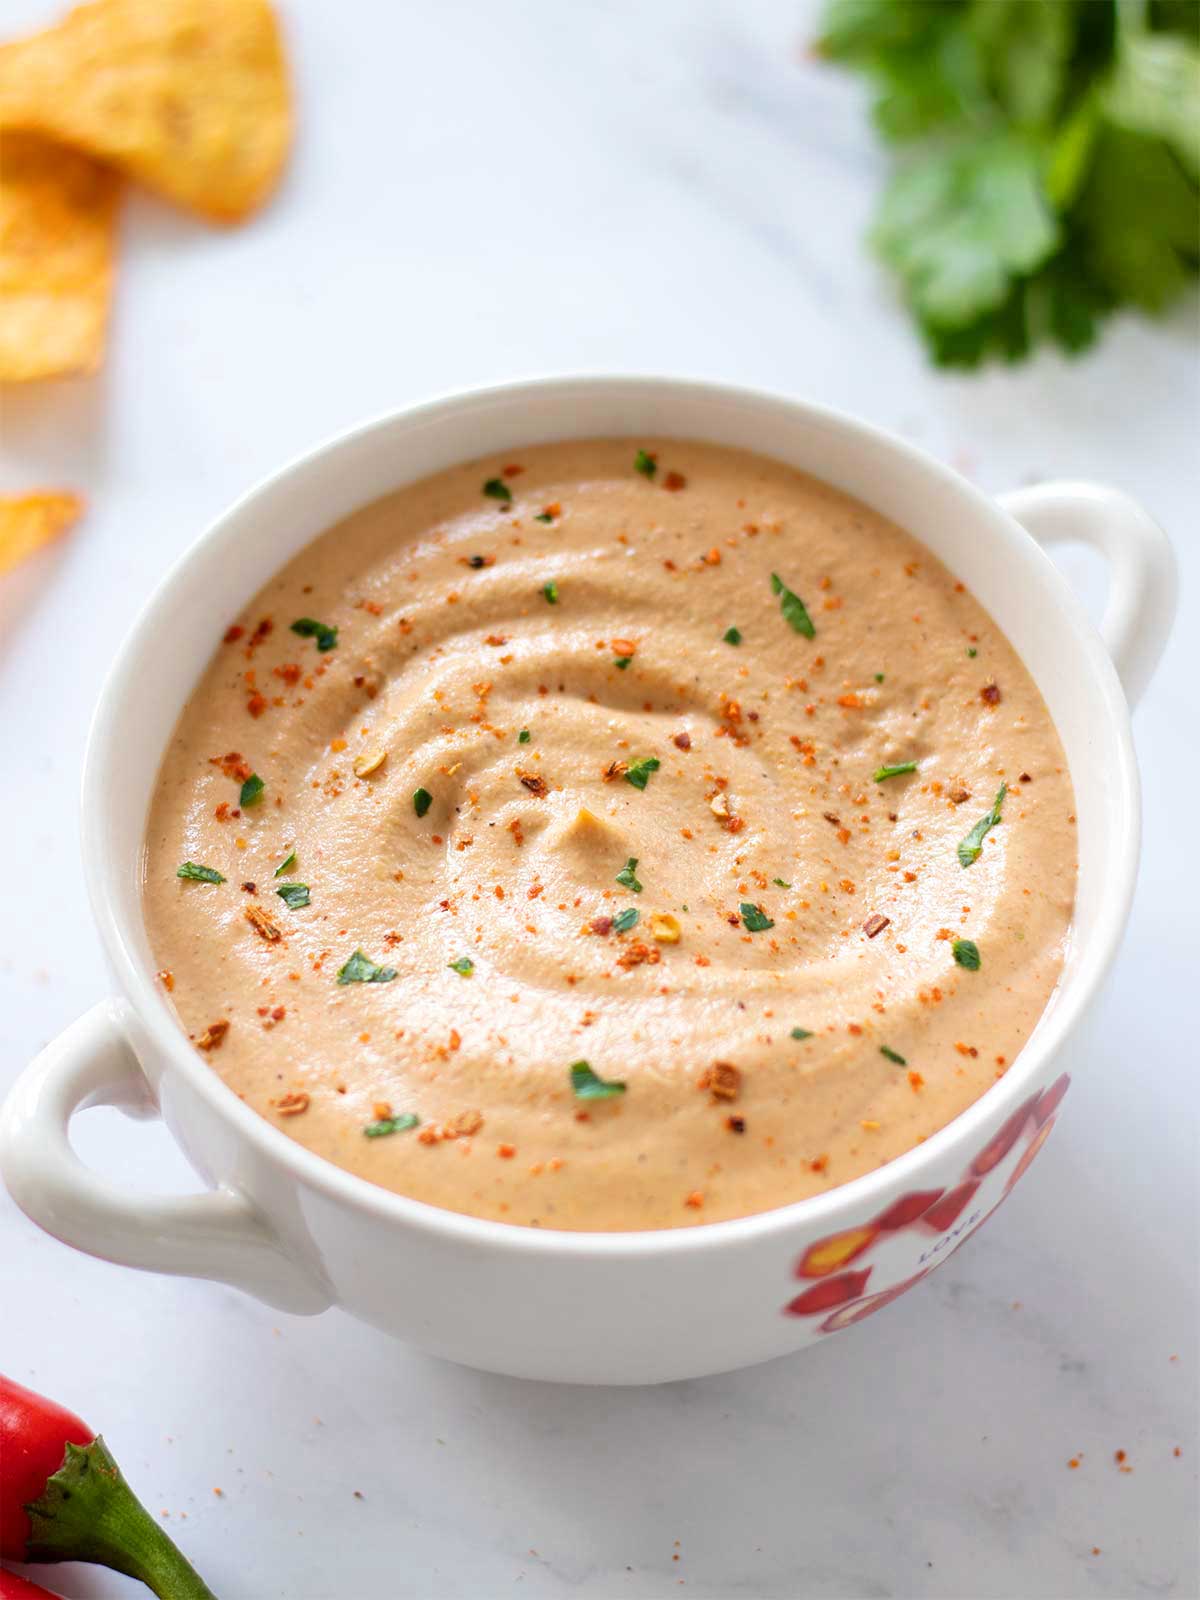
x=482 y=191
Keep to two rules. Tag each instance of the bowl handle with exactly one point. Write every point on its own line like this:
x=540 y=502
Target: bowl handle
x=217 y=1234
x=1143 y=583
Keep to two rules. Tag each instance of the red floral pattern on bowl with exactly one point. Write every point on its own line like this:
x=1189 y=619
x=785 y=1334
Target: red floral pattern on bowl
x=838 y=1291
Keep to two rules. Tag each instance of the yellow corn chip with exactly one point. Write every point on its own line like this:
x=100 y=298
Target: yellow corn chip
x=190 y=97
x=57 y=224
x=29 y=521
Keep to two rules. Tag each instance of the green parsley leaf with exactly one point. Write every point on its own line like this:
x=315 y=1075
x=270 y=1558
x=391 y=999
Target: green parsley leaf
x=754 y=918
x=285 y=865
x=966 y=953
x=624 y=920
x=524 y=736
x=550 y=592
x=361 y=969
x=732 y=636
x=780 y=883
x=588 y=1085
x=970 y=847
x=293 y=895
x=386 y=1125
x=972 y=652
x=1053 y=162
x=199 y=874
x=638 y=772
x=308 y=628
x=645 y=464
x=627 y=876
x=464 y=966
x=793 y=608
x=622 y=661
x=497 y=489
x=892 y=1056
x=801 y=1033
x=879 y=677
x=543 y=516
x=883 y=773
x=251 y=792
x=422 y=800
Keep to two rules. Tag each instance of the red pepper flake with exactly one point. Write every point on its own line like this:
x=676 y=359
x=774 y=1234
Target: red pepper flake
x=1024 y=778
x=990 y=694
x=167 y=978
x=674 y=481
x=916 y=1082
x=289 y=671
x=213 y=1036
x=875 y=923
x=736 y=1124
x=256 y=704
x=682 y=741
x=712 y=558
x=290 y=1105
x=222 y=812
x=506 y=1151
x=723 y=1080
x=496 y=640
x=536 y=786
x=233 y=634
x=234 y=765
x=818 y=1164
x=513 y=471
x=601 y=926
x=851 y=701
x=695 y=1200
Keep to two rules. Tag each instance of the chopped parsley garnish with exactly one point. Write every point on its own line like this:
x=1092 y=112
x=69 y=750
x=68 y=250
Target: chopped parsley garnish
x=801 y=1033
x=361 y=969
x=199 y=874
x=497 y=489
x=645 y=464
x=793 y=608
x=624 y=920
x=892 y=1056
x=879 y=677
x=732 y=636
x=464 y=966
x=969 y=848
x=285 y=866
x=422 y=800
x=627 y=876
x=883 y=773
x=386 y=1125
x=622 y=661
x=966 y=953
x=524 y=736
x=780 y=883
x=638 y=772
x=476 y=562
x=972 y=652
x=309 y=628
x=754 y=918
x=293 y=895
x=543 y=516
x=251 y=791
x=588 y=1085
x=550 y=592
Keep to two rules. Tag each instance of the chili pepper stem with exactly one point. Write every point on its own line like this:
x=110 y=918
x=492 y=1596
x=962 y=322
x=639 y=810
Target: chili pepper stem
x=88 y=1512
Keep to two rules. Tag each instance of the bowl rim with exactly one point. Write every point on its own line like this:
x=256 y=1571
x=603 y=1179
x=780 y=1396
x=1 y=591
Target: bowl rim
x=814 y=1214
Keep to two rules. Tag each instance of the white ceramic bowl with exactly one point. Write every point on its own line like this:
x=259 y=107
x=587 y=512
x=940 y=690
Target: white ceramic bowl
x=300 y=1233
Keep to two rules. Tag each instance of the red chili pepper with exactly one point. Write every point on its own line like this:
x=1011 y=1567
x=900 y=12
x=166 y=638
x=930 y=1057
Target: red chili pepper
x=62 y=1498
x=33 y=1439
x=13 y=1587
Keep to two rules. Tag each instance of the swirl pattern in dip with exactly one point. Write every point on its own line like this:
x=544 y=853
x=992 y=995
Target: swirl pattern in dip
x=572 y=777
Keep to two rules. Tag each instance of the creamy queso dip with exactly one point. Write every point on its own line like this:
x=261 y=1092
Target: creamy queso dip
x=618 y=835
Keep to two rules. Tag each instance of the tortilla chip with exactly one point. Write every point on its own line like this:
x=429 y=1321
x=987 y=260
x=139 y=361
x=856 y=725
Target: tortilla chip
x=29 y=521
x=190 y=97
x=57 y=228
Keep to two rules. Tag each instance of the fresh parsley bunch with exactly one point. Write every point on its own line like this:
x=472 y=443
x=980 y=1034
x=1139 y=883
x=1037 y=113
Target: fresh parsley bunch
x=1050 y=161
